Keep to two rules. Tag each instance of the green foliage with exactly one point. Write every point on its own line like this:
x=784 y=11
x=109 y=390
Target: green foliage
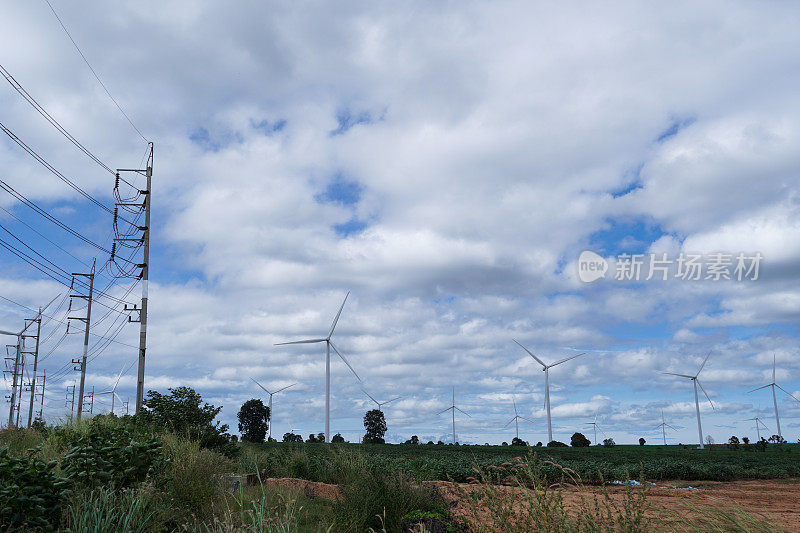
x=733 y=442
x=579 y=440
x=101 y=511
x=516 y=441
x=182 y=411
x=291 y=437
x=609 y=442
x=110 y=456
x=30 y=494
x=556 y=444
x=642 y=441
x=375 y=424
x=337 y=438
x=253 y=420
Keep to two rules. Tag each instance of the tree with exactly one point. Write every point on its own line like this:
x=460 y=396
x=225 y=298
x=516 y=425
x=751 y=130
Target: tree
x=375 y=424
x=641 y=441
x=183 y=411
x=579 y=440
x=556 y=444
x=746 y=440
x=539 y=443
x=337 y=438
x=733 y=442
x=609 y=442
x=253 y=421
x=709 y=441
x=413 y=440
x=291 y=437
x=777 y=439
x=320 y=437
x=516 y=441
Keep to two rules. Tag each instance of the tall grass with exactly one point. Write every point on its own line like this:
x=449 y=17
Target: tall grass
x=104 y=511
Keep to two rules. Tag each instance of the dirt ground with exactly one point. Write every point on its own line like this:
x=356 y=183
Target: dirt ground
x=776 y=500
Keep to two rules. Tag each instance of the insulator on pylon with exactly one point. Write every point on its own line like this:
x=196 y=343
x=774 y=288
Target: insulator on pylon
x=116 y=182
x=113 y=250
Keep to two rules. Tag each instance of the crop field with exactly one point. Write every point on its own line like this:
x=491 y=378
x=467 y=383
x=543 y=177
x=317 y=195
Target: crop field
x=592 y=464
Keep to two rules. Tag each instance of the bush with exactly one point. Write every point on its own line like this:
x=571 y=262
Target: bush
x=30 y=494
x=609 y=442
x=556 y=444
x=111 y=457
x=579 y=440
x=516 y=441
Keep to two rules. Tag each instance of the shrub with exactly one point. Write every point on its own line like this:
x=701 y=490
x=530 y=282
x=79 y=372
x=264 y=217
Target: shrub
x=579 y=440
x=609 y=442
x=516 y=441
x=30 y=494
x=556 y=444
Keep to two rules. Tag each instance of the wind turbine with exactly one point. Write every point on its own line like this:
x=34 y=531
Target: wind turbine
x=269 y=429
x=774 y=398
x=696 y=382
x=663 y=425
x=113 y=390
x=595 y=426
x=516 y=416
x=453 y=408
x=379 y=404
x=546 y=369
x=328 y=345
x=20 y=335
x=758 y=421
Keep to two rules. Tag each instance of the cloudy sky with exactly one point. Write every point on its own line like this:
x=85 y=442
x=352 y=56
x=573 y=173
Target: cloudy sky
x=444 y=162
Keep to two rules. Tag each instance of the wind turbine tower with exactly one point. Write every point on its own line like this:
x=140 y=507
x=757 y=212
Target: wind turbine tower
x=663 y=425
x=271 y=394
x=454 y=409
x=696 y=383
x=516 y=417
x=774 y=398
x=546 y=369
x=328 y=345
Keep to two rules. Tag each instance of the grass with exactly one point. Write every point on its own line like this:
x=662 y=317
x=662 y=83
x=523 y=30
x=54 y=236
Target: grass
x=381 y=488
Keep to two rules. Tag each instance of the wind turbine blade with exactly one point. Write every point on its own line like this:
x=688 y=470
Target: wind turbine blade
x=704 y=392
x=764 y=387
x=392 y=400
x=286 y=387
x=335 y=320
x=680 y=375
x=444 y=410
x=787 y=392
x=763 y=424
x=568 y=358
x=528 y=419
x=773 y=367
x=260 y=385
x=370 y=396
x=670 y=427
x=3 y=332
x=531 y=354
x=509 y=422
x=309 y=341
x=704 y=363
x=462 y=412
x=335 y=349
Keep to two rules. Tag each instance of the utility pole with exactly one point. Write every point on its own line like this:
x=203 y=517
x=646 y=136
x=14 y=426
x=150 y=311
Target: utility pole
x=35 y=366
x=40 y=416
x=16 y=373
x=145 y=273
x=70 y=401
x=87 y=320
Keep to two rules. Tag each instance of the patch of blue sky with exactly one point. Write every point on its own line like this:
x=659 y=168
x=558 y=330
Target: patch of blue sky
x=268 y=128
x=214 y=142
x=353 y=226
x=346 y=119
x=341 y=191
x=630 y=236
x=674 y=128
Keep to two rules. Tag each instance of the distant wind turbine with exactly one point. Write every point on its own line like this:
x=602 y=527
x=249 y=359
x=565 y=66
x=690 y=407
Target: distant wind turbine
x=759 y=422
x=113 y=390
x=379 y=404
x=328 y=345
x=663 y=425
x=271 y=394
x=516 y=417
x=696 y=382
x=454 y=409
x=546 y=369
x=595 y=426
x=774 y=398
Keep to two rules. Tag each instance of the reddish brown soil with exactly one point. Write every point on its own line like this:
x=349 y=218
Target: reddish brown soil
x=310 y=489
x=778 y=501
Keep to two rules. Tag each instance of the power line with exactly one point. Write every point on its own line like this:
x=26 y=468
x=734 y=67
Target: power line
x=95 y=73
x=42 y=111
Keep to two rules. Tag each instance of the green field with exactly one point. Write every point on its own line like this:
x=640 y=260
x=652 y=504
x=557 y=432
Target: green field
x=437 y=462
